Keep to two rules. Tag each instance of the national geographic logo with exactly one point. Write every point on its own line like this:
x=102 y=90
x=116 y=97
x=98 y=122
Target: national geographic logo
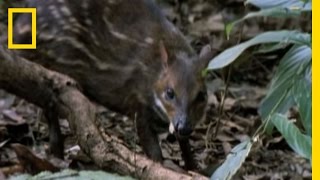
x=33 y=12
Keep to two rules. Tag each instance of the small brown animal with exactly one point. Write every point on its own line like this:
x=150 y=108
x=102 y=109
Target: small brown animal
x=126 y=56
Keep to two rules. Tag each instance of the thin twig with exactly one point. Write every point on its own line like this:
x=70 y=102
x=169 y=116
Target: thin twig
x=222 y=102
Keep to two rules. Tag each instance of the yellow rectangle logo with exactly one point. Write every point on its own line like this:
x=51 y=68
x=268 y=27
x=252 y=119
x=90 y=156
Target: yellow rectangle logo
x=33 y=12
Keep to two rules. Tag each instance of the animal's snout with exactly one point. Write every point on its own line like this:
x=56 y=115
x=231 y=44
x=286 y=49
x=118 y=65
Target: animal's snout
x=182 y=127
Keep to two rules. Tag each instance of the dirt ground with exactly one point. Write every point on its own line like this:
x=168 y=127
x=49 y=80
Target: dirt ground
x=202 y=22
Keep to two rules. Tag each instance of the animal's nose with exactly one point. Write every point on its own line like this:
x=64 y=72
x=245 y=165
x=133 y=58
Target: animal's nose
x=182 y=127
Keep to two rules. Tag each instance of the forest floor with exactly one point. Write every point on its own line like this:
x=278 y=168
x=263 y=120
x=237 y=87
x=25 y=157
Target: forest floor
x=202 y=22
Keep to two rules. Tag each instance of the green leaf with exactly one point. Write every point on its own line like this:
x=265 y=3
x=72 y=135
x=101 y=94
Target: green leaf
x=291 y=68
x=272 y=12
x=299 y=142
x=267 y=48
x=233 y=161
x=231 y=54
x=280 y=92
x=302 y=96
x=68 y=174
x=290 y=4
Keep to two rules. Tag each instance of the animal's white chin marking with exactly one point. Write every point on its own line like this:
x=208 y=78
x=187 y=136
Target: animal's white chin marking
x=159 y=103
x=171 y=128
x=164 y=111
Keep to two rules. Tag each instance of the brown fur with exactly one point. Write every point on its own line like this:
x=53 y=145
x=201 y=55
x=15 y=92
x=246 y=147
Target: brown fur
x=122 y=53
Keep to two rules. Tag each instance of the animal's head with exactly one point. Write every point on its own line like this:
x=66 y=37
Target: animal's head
x=180 y=93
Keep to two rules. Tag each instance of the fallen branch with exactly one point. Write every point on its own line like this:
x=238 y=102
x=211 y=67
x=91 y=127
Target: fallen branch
x=44 y=88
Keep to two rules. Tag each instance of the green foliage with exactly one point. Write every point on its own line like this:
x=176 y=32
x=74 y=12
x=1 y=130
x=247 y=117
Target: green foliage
x=273 y=8
x=72 y=175
x=304 y=5
x=290 y=86
x=234 y=161
x=302 y=97
x=230 y=55
x=298 y=141
x=292 y=70
x=273 y=12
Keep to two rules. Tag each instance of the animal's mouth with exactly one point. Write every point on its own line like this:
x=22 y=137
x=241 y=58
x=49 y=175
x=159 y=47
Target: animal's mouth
x=180 y=132
x=173 y=136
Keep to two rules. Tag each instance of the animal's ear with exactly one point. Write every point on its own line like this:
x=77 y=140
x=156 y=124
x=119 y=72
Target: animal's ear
x=164 y=54
x=206 y=54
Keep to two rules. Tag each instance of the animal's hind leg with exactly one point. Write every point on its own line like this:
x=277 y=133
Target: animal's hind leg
x=55 y=136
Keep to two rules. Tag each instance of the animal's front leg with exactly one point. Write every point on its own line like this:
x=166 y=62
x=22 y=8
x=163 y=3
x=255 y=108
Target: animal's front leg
x=187 y=154
x=148 y=138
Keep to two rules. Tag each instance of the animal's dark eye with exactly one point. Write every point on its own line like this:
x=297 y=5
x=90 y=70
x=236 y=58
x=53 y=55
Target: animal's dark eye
x=170 y=94
x=202 y=96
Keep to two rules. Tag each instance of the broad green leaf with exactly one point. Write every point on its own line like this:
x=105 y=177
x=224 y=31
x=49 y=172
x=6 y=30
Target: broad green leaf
x=294 y=63
x=302 y=38
x=290 y=4
x=231 y=54
x=273 y=97
x=233 y=161
x=292 y=67
x=302 y=96
x=299 y=142
x=272 y=12
x=267 y=48
x=68 y=174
